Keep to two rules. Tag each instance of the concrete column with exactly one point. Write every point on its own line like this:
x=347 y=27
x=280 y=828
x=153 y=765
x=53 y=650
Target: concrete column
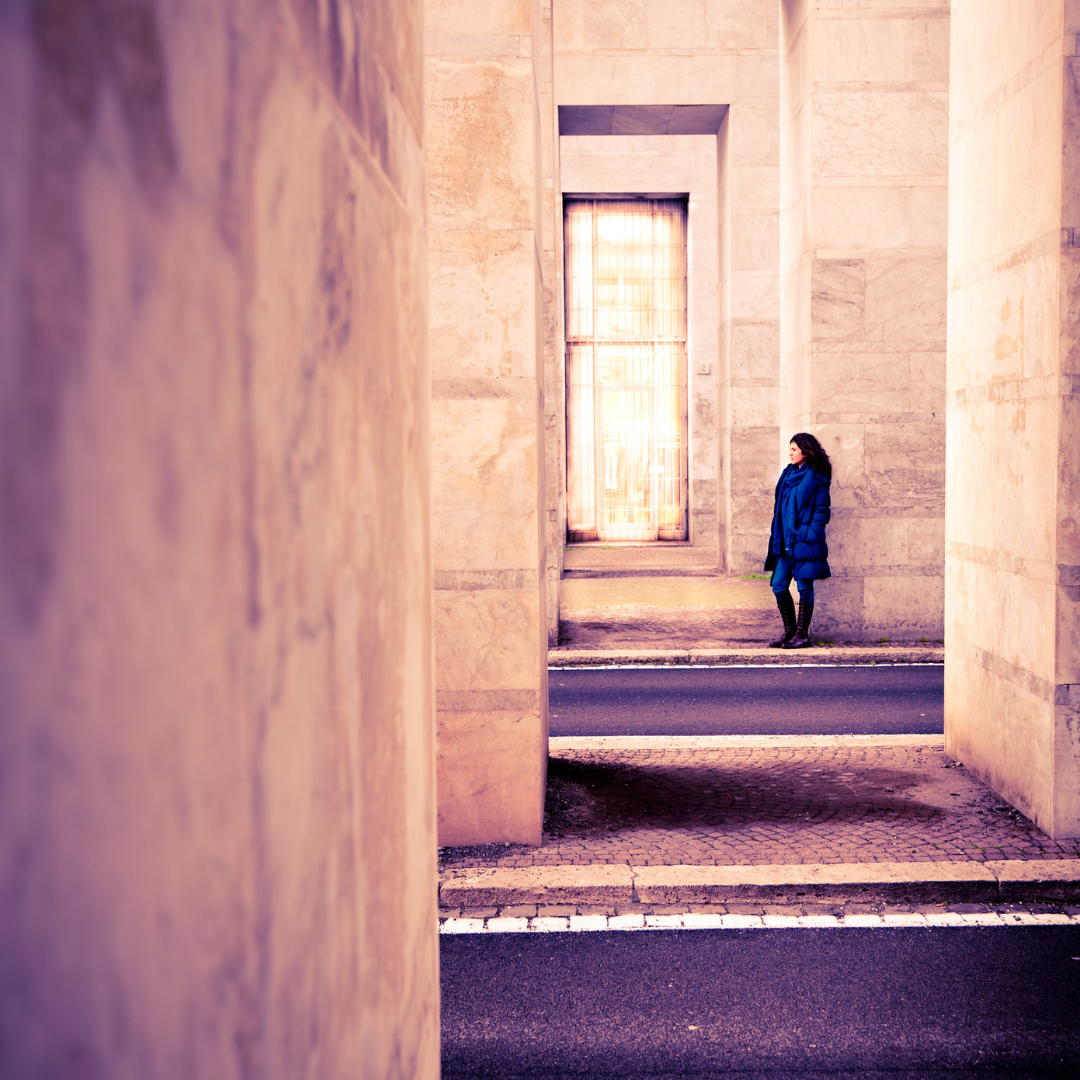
x=485 y=206
x=864 y=156
x=217 y=820
x=1012 y=695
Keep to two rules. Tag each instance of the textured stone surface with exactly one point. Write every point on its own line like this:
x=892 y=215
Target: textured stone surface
x=1013 y=545
x=665 y=612
x=215 y=647
x=748 y=805
x=864 y=891
x=864 y=105
x=486 y=75
x=610 y=52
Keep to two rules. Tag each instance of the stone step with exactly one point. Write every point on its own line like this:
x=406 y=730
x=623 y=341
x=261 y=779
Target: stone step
x=619 y=883
x=874 y=654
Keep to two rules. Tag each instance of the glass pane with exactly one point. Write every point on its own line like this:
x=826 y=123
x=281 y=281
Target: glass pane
x=627 y=427
x=580 y=443
x=624 y=363
x=579 y=275
x=626 y=369
x=623 y=271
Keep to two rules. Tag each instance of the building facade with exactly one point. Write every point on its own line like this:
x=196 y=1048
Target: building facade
x=284 y=344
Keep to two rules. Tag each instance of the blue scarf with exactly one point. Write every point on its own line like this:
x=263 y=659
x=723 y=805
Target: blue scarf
x=785 y=506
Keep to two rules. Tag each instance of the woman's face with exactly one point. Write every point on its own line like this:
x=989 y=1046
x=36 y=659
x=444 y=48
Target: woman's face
x=796 y=455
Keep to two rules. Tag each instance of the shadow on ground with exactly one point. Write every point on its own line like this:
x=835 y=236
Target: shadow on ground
x=583 y=797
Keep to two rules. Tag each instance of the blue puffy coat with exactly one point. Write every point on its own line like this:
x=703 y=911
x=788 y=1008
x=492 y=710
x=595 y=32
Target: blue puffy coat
x=802 y=532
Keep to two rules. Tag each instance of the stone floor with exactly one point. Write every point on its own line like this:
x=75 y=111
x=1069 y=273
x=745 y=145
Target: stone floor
x=666 y=611
x=659 y=609
x=743 y=805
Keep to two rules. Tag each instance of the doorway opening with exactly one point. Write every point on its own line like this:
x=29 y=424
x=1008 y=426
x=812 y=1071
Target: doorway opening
x=626 y=361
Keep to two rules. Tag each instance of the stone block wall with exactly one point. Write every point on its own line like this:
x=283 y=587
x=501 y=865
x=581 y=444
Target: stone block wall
x=486 y=244
x=864 y=114
x=748 y=159
x=1012 y=601
x=722 y=52
x=217 y=825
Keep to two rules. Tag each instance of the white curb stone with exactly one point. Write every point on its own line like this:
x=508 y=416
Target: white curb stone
x=741 y=922
x=548 y=924
x=462 y=926
x=508 y=926
x=707 y=921
x=588 y=922
x=702 y=921
x=626 y=922
x=664 y=922
x=904 y=918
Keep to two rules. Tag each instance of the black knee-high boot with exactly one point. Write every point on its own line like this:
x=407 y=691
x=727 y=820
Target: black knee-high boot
x=787 y=613
x=801 y=640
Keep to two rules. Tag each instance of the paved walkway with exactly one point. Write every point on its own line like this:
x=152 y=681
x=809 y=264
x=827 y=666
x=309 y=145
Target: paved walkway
x=743 y=801
x=666 y=612
x=656 y=611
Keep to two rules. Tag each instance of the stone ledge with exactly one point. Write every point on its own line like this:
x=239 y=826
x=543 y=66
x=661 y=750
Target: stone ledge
x=603 y=883
x=559 y=743
x=618 y=882
x=568 y=658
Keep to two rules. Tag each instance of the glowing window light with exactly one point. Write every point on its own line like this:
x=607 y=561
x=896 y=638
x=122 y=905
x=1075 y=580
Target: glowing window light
x=626 y=369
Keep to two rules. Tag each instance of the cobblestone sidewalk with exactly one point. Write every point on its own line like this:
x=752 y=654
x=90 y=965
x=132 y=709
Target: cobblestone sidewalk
x=838 y=802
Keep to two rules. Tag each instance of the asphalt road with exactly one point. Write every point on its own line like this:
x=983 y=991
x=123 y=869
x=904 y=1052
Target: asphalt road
x=849 y=1003
x=748 y=701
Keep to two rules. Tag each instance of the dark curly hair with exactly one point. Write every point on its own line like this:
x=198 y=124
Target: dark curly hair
x=815 y=454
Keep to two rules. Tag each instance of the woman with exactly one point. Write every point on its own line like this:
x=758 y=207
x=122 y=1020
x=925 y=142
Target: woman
x=797 y=547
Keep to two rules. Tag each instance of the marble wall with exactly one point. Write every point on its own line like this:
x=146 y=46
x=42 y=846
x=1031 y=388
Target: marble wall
x=693 y=52
x=217 y=824
x=486 y=198
x=1012 y=601
x=864 y=119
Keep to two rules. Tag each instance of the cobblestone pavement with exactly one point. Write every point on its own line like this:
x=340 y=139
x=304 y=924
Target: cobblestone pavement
x=555 y=918
x=744 y=805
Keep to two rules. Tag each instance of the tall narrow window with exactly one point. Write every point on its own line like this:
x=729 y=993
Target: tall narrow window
x=626 y=369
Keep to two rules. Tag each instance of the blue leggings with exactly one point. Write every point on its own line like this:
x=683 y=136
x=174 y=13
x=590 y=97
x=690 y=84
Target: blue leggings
x=781 y=581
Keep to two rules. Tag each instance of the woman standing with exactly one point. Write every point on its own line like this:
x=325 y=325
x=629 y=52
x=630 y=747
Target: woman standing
x=797 y=547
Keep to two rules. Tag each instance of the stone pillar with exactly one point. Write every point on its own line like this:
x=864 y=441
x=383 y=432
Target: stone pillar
x=217 y=820
x=864 y=157
x=1012 y=603
x=554 y=371
x=485 y=200
x=748 y=188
